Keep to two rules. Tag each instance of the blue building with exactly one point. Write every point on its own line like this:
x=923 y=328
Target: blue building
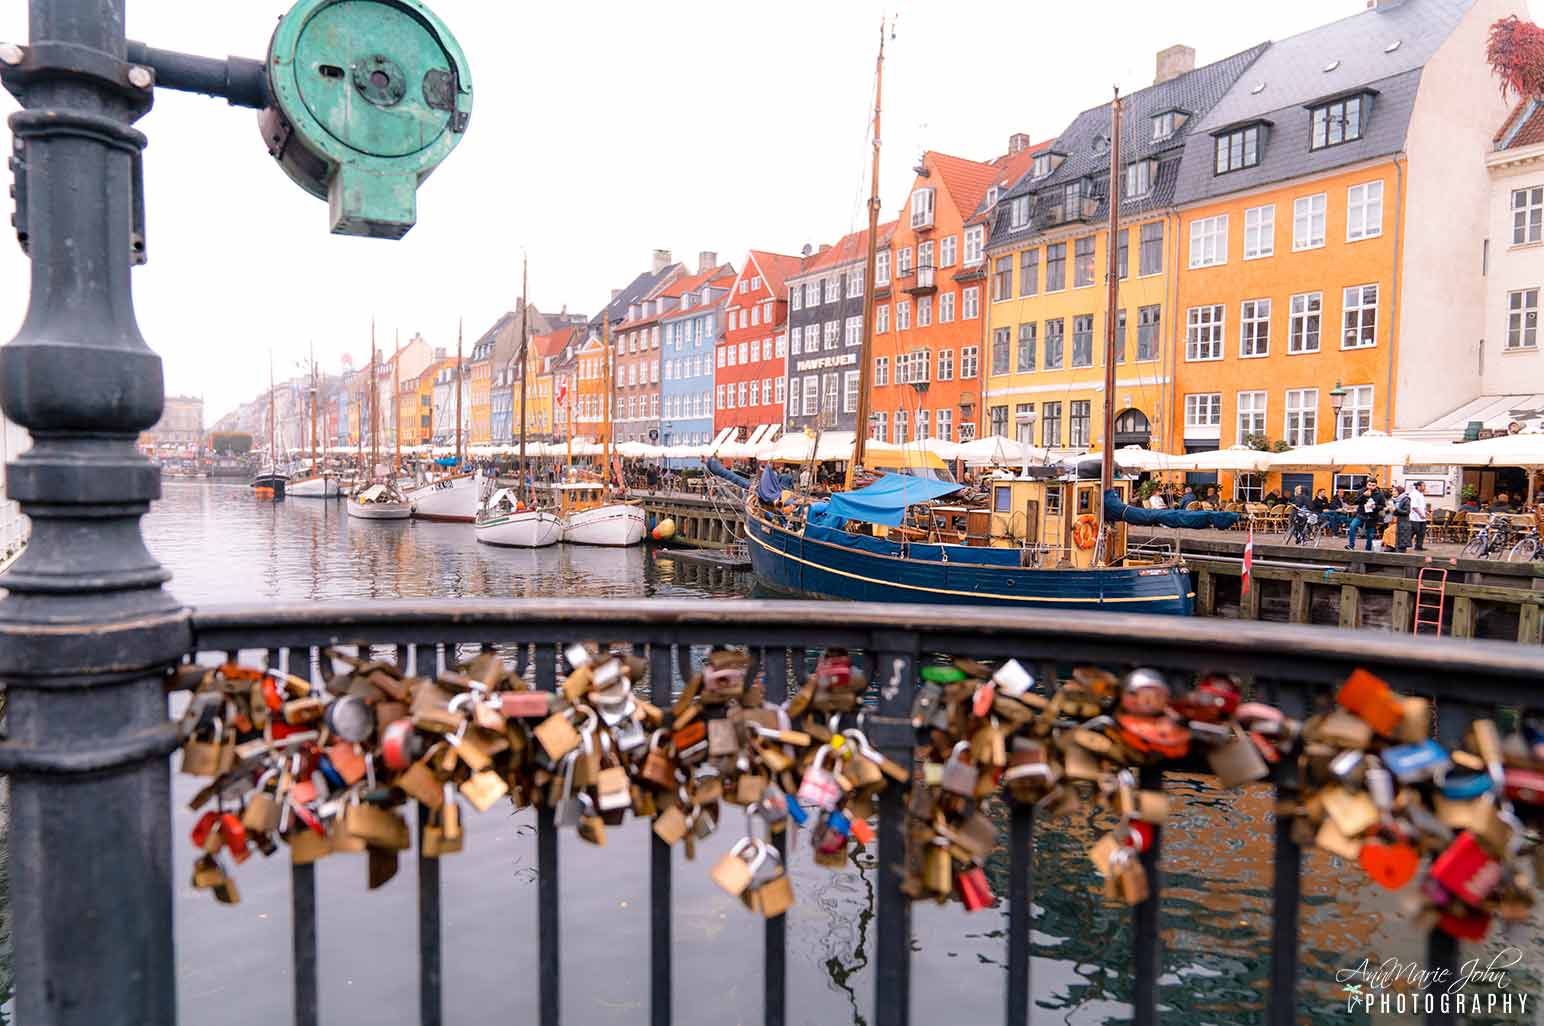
x=686 y=356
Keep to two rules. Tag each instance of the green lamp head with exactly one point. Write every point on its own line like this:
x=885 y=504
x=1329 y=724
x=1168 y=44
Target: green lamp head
x=368 y=97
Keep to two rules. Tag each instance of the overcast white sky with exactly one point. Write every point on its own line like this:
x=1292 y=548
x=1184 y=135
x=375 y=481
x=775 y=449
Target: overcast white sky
x=600 y=131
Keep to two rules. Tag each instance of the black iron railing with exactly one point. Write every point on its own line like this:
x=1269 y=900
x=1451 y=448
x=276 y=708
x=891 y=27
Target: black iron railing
x=1293 y=667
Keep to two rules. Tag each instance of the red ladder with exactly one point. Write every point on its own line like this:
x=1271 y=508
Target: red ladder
x=1430 y=596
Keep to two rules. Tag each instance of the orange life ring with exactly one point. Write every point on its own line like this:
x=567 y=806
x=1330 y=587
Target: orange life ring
x=1084 y=530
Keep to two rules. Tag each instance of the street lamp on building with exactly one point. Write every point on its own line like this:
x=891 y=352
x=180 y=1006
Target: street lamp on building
x=1337 y=400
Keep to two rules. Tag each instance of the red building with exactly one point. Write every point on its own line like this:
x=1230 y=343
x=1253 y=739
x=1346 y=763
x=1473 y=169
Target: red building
x=750 y=361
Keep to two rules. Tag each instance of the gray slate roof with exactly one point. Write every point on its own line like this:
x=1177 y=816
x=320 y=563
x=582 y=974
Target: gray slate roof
x=1293 y=76
x=1085 y=141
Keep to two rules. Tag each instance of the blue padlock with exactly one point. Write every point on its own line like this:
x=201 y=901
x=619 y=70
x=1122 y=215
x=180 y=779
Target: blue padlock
x=1463 y=786
x=837 y=820
x=1416 y=762
x=330 y=774
x=797 y=813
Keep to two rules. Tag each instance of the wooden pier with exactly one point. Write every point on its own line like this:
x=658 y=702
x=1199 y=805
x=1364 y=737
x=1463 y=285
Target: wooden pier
x=701 y=522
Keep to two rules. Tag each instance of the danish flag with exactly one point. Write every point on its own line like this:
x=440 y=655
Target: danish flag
x=1248 y=561
x=563 y=392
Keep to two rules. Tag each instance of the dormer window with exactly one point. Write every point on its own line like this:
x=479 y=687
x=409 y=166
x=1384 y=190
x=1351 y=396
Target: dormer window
x=1139 y=178
x=1339 y=121
x=1042 y=166
x=1167 y=122
x=922 y=208
x=1239 y=148
x=686 y=301
x=1018 y=212
x=991 y=197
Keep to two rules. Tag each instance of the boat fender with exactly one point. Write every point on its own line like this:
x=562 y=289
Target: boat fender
x=1085 y=530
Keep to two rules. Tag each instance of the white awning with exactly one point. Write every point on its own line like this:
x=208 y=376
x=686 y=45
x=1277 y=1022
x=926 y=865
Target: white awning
x=1496 y=412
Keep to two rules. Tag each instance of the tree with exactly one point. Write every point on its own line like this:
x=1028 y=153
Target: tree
x=1515 y=51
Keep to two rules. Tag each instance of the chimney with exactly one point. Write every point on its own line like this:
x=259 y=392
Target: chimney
x=661 y=260
x=706 y=261
x=1018 y=142
x=1174 y=62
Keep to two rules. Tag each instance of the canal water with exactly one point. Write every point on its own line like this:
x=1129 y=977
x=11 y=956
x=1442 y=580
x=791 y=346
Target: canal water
x=234 y=962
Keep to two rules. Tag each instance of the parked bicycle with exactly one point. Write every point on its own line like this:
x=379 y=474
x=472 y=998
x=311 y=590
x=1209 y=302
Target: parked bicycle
x=1490 y=541
x=1305 y=527
x=1527 y=547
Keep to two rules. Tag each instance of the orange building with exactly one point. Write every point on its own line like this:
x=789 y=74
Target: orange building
x=589 y=388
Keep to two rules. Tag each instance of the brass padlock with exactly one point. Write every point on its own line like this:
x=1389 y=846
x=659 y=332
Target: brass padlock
x=484 y=788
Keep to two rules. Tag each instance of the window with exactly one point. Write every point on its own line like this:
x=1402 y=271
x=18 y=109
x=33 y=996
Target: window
x=744 y=350
x=999 y=418
x=782 y=387
x=1083 y=341
x=947 y=251
x=1018 y=212
x=1029 y=271
x=1203 y=412
x=1302 y=423
x=782 y=346
x=1055 y=266
x=831 y=329
x=812 y=293
x=881 y=319
x=1078 y=420
x=812 y=395
x=1522 y=319
x=1303 y=327
x=968 y=360
x=1308 y=221
x=922 y=208
x=882 y=267
x=900 y=426
x=756 y=350
x=924 y=311
x=1050 y=425
x=922 y=425
x=1203 y=333
x=756 y=393
x=1083 y=261
x=946 y=425
x=833 y=288
x=915 y=366
x=728 y=356
x=1259 y=232
x=1026 y=360
x=967 y=431
x=1238 y=149
x=881 y=422
x=1355 y=412
x=1364 y=211
x=1361 y=317
x=945 y=365
x=1336 y=123
x=1002 y=278
x=1000 y=351
x=973 y=240
x=902 y=315
x=970 y=306
x=1254 y=330
x=1164 y=125
x=1148 y=324
x=1249 y=487
x=903 y=261
x=1251 y=415
x=1139 y=179
x=1209 y=241
x=1150 y=251
x=1053 y=344
x=755 y=315
x=946 y=308
x=1120 y=336
x=1122 y=254
x=1042 y=166
x=854 y=332
x=1527 y=215
x=850 y=392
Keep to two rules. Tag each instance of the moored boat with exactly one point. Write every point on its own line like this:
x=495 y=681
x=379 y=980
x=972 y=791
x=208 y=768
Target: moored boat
x=447 y=498
x=315 y=486
x=380 y=501
x=613 y=523
x=504 y=520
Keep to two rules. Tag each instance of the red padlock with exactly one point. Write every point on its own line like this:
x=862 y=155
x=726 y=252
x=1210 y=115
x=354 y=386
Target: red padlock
x=396 y=744
x=1466 y=870
x=271 y=697
x=235 y=836
x=981 y=703
x=1470 y=927
x=974 y=890
x=207 y=822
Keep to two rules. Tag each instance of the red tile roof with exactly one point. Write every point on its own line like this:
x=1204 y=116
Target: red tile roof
x=853 y=246
x=775 y=268
x=966 y=180
x=1523 y=127
x=552 y=345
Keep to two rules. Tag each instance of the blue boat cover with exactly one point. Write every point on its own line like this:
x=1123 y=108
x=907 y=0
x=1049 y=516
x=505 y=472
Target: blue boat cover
x=446 y=461
x=1114 y=509
x=768 y=487
x=717 y=469
x=885 y=501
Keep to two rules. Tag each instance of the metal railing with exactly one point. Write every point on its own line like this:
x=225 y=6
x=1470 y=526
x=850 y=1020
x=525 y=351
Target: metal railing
x=1293 y=667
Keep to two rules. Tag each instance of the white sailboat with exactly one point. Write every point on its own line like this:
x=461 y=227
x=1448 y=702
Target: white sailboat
x=450 y=497
x=316 y=482
x=504 y=520
x=381 y=499
x=590 y=515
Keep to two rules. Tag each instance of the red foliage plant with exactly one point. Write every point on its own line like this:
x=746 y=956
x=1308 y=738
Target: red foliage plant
x=1516 y=55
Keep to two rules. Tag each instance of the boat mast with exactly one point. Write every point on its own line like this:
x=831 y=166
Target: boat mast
x=1112 y=277
x=525 y=340
x=610 y=380
x=396 y=406
x=313 y=409
x=458 y=373
x=273 y=421
x=375 y=406
x=865 y=357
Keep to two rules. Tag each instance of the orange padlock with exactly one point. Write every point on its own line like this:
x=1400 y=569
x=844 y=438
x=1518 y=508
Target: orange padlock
x=1372 y=701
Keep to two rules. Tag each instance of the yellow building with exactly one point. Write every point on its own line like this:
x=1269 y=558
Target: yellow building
x=1048 y=259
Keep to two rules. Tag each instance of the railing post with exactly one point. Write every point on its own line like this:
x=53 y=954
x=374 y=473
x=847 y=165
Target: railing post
x=85 y=627
x=894 y=673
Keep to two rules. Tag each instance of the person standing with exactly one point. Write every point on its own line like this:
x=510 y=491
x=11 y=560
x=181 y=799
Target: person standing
x=1401 y=506
x=1418 y=515
x=1368 y=507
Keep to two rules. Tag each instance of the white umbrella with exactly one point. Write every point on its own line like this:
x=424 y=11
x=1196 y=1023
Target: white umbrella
x=1500 y=451
x=1369 y=449
x=1234 y=457
x=997 y=449
x=942 y=449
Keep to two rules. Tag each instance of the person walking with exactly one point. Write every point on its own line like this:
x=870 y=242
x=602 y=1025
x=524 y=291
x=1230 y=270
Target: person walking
x=1401 y=506
x=1369 y=507
x=1419 y=515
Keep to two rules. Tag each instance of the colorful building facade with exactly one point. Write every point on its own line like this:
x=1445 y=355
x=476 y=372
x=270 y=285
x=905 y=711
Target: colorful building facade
x=688 y=336
x=750 y=363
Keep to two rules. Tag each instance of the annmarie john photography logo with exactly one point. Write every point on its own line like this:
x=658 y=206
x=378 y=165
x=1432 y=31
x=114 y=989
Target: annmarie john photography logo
x=1480 y=986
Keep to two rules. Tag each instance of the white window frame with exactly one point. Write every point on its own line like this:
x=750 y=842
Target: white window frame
x=922 y=208
x=1203 y=413
x=1302 y=307
x=1251 y=414
x=850 y=391
x=881 y=370
x=970 y=362
x=1364 y=211
x=1309 y=217
x=881 y=318
x=812 y=395
x=882 y=268
x=833 y=288
x=1300 y=417
x=1522 y=320
x=945 y=365
x=1254 y=329
x=1355 y=418
x=1209 y=241
x=1354 y=303
x=903 y=315
x=948 y=250
x=1205 y=330
x=1018 y=212
x=974 y=238
x=970 y=303
x=1527 y=215
x=1260 y=232
x=945 y=307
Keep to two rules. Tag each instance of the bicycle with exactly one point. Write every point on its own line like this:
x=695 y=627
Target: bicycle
x=1304 y=527
x=1527 y=547
x=1491 y=540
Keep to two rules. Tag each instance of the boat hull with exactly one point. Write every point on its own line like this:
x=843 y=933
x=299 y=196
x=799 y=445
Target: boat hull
x=614 y=524
x=314 y=488
x=380 y=510
x=787 y=561
x=527 y=529
x=453 y=499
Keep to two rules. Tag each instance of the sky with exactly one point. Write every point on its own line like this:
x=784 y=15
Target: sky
x=600 y=132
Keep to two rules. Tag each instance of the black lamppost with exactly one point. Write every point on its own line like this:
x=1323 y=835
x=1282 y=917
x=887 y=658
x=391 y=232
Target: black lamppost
x=1337 y=400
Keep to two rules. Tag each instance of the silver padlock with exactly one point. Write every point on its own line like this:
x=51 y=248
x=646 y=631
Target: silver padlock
x=959 y=776
x=1012 y=679
x=630 y=735
x=567 y=811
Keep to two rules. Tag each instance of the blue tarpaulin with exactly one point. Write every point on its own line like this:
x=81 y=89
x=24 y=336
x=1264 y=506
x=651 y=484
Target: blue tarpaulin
x=446 y=461
x=768 y=487
x=717 y=469
x=885 y=501
x=1114 y=509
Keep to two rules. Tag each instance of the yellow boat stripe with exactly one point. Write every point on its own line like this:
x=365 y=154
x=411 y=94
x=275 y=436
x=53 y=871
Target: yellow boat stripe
x=949 y=591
